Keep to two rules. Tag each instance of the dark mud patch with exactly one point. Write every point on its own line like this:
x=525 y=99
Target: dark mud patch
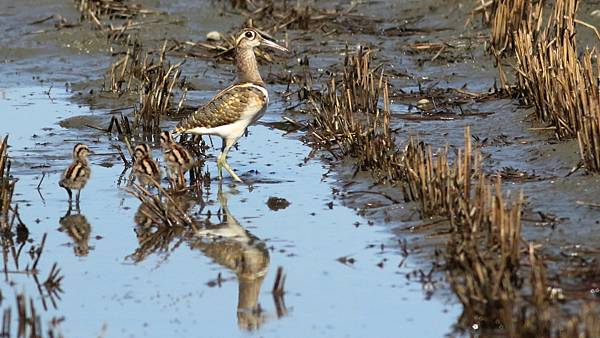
x=277 y=203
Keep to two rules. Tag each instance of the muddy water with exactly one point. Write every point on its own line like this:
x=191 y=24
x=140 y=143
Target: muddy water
x=343 y=274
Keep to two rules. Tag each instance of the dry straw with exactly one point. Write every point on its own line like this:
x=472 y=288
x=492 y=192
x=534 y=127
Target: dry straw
x=484 y=251
x=7 y=184
x=563 y=86
x=352 y=118
x=155 y=81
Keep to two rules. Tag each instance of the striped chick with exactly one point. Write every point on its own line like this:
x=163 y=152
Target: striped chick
x=75 y=177
x=145 y=169
x=177 y=158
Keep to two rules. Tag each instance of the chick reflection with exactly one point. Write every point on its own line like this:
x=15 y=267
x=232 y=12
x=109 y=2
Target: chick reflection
x=235 y=248
x=158 y=231
x=79 y=229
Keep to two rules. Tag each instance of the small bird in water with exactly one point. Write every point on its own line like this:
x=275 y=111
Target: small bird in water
x=77 y=174
x=144 y=167
x=177 y=158
x=232 y=110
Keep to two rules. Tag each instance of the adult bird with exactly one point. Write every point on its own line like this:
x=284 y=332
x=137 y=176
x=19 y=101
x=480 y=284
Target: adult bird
x=232 y=110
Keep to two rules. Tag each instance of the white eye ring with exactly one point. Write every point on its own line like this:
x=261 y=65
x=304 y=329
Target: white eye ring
x=250 y=35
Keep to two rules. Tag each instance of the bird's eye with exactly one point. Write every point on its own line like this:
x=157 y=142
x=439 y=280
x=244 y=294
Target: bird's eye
x=250 y=35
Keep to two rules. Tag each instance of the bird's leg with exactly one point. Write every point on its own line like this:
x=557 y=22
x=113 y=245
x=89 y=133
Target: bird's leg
x=181 y=178
x=173 y=181
x=68 y=211
x=220 y=161
x=226 y=165
x=77 y=199
x=70 y=195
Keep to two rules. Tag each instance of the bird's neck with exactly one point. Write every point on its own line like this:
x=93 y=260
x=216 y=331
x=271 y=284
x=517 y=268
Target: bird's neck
x=247 y=67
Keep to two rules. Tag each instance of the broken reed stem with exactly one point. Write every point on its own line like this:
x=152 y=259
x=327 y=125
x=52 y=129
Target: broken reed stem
x=440 y=188
x=7 y=185
x=279 y=284
x=101 y=12
x=156 y=92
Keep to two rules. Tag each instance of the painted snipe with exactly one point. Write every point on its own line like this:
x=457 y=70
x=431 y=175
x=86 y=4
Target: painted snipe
x=232 y=110
x=177 y=158
x=77 y=174
x=145 y=169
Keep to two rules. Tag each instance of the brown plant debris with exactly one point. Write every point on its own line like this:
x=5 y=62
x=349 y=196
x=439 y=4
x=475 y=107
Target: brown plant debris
x=281 y=15
x=508 y=16
x=348 y=120
x=485 y=249
x=563 y=86
x=154 y=78
x=28 y=322
x=101 y=12
x=164 y=209
x=7 y=184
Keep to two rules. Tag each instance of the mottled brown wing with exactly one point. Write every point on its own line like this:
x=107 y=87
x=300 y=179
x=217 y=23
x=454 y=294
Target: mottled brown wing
x=225 y=108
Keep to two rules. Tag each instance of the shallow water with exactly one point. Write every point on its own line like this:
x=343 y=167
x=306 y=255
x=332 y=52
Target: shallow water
x=343 y=274
x=170 y=293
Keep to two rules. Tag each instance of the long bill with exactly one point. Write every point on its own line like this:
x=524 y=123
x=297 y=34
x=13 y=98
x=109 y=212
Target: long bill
x=273 y=45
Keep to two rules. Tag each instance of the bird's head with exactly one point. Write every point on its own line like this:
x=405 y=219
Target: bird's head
x=141 y=150
x=81 y=151
x=166 y=137
x=251 y=37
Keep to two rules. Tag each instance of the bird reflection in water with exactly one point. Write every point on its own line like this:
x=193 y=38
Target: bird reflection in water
x=226 y=242
x=79 y=229
x=235 y=248
x=157 y=230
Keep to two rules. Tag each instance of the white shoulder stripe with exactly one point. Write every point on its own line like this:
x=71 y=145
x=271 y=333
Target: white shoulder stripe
x=252 y=85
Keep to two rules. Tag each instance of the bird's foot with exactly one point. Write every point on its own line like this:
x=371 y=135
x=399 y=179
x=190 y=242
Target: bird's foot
x=231 y=172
